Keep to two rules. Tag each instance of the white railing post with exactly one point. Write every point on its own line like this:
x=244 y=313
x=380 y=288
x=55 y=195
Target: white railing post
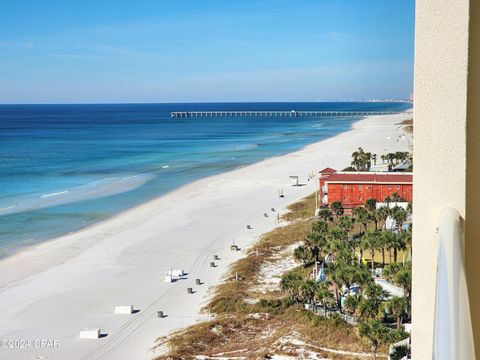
x=453 y=337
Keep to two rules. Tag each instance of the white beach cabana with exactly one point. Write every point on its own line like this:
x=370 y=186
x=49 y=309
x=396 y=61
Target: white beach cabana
x=93 y=333
x=294 y=180
x=174 y=274
x=124 y=309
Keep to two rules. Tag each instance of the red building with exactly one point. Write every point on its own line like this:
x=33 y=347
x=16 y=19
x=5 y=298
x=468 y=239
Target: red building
x=353 y=188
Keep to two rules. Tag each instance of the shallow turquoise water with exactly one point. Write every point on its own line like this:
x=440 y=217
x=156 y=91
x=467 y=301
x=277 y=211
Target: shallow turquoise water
x=63 y=167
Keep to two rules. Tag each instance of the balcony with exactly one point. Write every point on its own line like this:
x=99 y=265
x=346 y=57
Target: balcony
x=453 y=338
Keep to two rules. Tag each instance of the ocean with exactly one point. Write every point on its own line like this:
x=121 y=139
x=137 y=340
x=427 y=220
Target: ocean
x=64 y=167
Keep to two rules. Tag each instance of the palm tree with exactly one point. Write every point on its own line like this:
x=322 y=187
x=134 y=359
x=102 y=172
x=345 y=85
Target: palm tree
x=360 y=214
x=351 y=303
x=382 y=213
x=396 y=198
x=337 y=208
x=356 y=158
x=342 y=275
x=374 y=158
x=407 y=238
x=355 y=243
x=391 y=159
x=290 y=284
x=390 y=271
x=400 y=275
x=403 y=278
x=371 y=207
x=371 y=241
x=353 y=273
x=320 y=227
x=317 y=238
x=400 y=216
x=307 y=291
x=372 y=303
x=345 y=223
x=367 y=161
x=337 y=241
x=347 y=272
x=395 y=242
x=371 y=204
x=398 y=307
x=323 y=296
x=375 y=333
x=387 y=201
x=337 y=234
x=361 y=160
x=383 y=239
x=303 y=254
x=336 y=246
x=401 y=156
x=325 y=215
x=388 y=243
x=398 y=156
x=368 y=309
x=337 y=282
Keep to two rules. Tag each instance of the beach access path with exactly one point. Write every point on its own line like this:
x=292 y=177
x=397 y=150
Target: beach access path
x=52 y=290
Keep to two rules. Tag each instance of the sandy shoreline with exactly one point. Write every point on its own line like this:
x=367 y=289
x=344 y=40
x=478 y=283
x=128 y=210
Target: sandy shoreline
x=55 y=288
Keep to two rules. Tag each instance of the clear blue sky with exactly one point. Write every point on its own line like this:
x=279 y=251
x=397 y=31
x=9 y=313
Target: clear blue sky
x=60 y=51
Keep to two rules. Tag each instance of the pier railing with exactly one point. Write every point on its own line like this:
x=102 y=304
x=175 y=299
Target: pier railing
x=453 y=337
x=292 y=113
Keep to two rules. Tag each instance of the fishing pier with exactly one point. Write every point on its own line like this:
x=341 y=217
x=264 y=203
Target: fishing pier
x=292 y=113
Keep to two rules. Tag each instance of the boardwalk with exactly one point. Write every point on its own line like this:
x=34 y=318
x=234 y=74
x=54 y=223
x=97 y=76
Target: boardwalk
x=293 y=113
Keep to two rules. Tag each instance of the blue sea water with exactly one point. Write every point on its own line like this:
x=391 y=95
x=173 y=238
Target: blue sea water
x=63 y=167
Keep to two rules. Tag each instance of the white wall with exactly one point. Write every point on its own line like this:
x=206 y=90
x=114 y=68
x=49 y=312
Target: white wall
x=440 y=121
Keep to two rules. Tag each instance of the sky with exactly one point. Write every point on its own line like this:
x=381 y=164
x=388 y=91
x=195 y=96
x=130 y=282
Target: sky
x=114 y=51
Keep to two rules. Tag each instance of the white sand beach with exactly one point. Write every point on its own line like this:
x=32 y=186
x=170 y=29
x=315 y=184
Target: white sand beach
x=52 y=290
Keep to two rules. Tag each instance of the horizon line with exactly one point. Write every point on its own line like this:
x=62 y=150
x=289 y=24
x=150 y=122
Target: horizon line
x=217 y=102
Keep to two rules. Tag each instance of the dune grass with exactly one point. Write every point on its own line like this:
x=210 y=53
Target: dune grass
x=408 y=125
x=302 y=210
x=229 y=296
x=251 y=325
x=259 y=335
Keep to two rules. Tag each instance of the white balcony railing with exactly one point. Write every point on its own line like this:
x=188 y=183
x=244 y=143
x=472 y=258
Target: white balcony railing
x=391 y=349
x=453 y=338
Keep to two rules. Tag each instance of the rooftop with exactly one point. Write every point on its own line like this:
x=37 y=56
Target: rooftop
x=327 y=170
x=371 y=177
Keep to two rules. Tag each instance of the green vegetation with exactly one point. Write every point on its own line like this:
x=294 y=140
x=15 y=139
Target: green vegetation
x=375 y=333
x=362 y=161
x=252 y=324
x=337 y=208
x=340 y=244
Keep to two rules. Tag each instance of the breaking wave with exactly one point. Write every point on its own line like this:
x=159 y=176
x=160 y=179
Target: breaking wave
x=93 y=190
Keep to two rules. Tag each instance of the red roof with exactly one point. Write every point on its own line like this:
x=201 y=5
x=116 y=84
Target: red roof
x=328 y=170
x=371 y=178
